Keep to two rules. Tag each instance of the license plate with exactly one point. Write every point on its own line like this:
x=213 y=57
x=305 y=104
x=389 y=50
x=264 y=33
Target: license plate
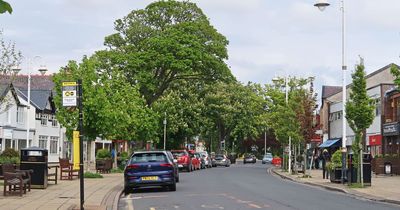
x=180 y=166
x=149 y=178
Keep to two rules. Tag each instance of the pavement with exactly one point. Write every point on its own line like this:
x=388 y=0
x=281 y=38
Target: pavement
x=383 y=188
x=100 y=194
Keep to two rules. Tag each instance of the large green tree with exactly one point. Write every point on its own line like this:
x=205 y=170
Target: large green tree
x=359 y=111
x=112 y=107
x=163 y=43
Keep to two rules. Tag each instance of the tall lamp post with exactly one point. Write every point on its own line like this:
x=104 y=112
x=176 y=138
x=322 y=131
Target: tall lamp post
x=42 y=69
x=290 y=137
x=322 y=4
x=165 y=128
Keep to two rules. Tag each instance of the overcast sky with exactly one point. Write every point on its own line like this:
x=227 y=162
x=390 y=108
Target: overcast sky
x=267 y=38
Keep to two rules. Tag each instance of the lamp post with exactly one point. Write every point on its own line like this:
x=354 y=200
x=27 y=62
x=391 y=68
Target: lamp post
x=321 y=4
x=42 y=68
x=265 y=142
x=165 y=128
x=290 y=137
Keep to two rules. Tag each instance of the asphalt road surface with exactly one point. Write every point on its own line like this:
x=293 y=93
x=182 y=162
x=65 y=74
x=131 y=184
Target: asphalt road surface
x=250 y=186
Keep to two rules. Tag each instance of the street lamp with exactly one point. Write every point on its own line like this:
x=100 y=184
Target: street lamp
x=321 y=4
x=41 y=69
x=290 y=137
x=165 y=128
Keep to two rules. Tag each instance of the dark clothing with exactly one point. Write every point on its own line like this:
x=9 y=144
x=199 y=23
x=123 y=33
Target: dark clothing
x=325 y=159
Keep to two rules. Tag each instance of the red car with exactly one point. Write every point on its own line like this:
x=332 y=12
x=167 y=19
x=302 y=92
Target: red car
x=184 y=159
x=196 y=162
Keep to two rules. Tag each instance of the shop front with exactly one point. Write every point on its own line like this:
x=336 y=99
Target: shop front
x=391 y=139
x=375 y=145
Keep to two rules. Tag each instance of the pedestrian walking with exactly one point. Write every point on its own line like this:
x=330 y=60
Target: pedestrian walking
x=325 y=160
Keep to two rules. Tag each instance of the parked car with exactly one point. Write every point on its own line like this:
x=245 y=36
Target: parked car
x=206 y=158
x=212 y=157
x=184 y=159
x=175 y=161
x=267 y=158
x=249 y=158
x=200 y=158
x=149 y=168
x=195 y=160
x=222 y=160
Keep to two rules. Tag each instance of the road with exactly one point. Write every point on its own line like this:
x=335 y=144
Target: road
x=250 y=186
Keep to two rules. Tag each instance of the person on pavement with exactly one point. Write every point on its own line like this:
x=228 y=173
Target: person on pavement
x=325 y=159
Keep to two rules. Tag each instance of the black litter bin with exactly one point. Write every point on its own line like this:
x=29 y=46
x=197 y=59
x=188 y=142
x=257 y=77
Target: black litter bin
x=367 y=169
x=35 y=158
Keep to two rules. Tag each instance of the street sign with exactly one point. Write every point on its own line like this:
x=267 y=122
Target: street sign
x=69 y=97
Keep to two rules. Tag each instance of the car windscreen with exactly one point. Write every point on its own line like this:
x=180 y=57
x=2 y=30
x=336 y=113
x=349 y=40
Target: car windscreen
x=219 y=157
x=148 y=157
x=179 y=153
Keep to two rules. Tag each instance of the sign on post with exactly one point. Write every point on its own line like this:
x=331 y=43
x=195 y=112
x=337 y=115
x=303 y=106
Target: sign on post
x=69 y=97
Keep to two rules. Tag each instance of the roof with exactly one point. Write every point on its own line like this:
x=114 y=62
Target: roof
x=39 y=98
x=38 y=82
x=3 y=90
x=330 y=90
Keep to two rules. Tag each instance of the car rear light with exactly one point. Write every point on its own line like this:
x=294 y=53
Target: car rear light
x=166 y=165
x=132 y=166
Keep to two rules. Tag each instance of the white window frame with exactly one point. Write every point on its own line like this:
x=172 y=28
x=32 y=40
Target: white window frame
x=53 y=144
x=20 y=115
x=43 y=140
x=44 y=119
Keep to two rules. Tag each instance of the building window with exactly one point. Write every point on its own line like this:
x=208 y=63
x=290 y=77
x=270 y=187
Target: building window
x=22 y=143
x=54 y=121
x=44 y=120
x=377 y=107
x=20 y=114
x=8 y=117
x=53 y=144
x=43 y=141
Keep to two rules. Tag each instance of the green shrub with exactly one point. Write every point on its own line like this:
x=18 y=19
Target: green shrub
x=117 y=170
x=13 y=160
x=91 y=175
x=10 y=153
x=103 y=154
x=336 y=160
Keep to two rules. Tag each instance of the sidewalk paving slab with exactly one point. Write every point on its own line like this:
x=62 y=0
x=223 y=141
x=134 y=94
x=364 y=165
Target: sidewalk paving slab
x=383 y=188
x=100 y=194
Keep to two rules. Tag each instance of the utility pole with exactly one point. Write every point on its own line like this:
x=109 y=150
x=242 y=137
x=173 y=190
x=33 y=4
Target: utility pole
x=165 y=128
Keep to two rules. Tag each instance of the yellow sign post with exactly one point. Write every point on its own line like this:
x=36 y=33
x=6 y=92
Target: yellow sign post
x=75 y=142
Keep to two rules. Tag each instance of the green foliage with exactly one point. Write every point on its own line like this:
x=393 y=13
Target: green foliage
x=92 y=175
x=117 y=170
x=5 y=7
x=166 y=42
x=103 y=154
x=9 y=153
x=14 y=160
x=9 y=55
x=336 y=160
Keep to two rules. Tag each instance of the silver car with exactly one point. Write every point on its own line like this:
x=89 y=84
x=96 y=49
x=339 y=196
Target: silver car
x=206 y=158
x=222 y=160
x=267 y=158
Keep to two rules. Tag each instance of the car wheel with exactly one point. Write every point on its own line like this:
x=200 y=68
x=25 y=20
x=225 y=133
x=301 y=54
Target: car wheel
x=177 y=179
x=127 y=190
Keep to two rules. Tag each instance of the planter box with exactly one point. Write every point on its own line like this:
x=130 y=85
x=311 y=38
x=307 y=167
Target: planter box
x=336 y=175
x=103 y=165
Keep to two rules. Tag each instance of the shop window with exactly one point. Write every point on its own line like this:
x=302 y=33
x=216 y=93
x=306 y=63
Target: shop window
x=378 y=107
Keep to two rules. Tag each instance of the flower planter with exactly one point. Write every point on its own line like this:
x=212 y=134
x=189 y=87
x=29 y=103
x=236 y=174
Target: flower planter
x=103 y=165
x=336 y=175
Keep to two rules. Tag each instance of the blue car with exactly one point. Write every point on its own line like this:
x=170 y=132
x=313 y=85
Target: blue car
x=149 y=168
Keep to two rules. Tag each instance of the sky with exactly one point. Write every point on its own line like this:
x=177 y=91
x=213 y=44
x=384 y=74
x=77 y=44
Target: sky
x=267 y=38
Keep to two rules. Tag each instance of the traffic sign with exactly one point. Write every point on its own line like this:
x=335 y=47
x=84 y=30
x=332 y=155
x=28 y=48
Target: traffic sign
x=69 y=98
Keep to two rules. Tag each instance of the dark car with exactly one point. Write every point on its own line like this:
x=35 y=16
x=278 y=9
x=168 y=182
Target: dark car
x=249 y=158
x=149 y=168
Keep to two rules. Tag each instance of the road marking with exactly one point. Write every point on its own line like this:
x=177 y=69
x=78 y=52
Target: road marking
x=130 y=204
x=213 y=206
x=254 y=205
x=152 y=208
x=242 y=201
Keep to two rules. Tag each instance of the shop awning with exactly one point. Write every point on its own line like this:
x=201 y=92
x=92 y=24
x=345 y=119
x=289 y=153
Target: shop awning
x=329 y=143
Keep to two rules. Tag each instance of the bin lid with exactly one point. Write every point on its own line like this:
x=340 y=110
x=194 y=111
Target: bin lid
x=33 y=149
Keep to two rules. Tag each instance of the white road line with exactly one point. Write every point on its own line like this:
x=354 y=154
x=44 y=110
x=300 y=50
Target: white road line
x=254 y=205
x=130 y=203
x=152 y=208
